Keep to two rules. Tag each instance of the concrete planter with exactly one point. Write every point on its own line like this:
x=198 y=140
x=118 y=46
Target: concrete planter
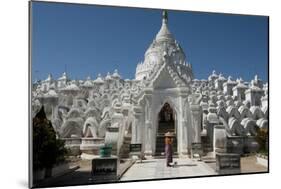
x=105 y=151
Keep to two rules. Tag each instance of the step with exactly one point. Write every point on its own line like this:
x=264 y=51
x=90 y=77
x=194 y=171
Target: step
x=166 y=123
x=163 y=147
x=166 y=126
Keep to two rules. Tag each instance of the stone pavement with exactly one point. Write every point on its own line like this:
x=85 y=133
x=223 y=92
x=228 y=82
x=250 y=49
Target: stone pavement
x=156 y=169
x=152 y=169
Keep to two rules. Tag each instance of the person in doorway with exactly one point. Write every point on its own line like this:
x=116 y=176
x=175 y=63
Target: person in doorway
x=169 y=148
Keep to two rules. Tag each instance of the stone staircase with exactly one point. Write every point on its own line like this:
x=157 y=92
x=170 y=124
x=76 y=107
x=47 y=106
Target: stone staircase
x=160 y=140
x=125 y=148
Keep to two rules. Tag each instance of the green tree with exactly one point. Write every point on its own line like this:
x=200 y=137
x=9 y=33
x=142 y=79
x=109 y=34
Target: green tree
x=47 y=149
x=262 y=139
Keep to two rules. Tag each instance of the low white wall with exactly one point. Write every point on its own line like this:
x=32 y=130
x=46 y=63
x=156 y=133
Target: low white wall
x=262 y=161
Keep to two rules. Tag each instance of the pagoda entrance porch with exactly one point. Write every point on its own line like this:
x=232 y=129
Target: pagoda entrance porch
x=166 y=123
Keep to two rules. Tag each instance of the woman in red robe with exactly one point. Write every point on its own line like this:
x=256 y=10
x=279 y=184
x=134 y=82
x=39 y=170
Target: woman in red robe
x=168 y=148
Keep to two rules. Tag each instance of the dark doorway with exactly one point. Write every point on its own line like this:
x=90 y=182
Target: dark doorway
x=166 y=123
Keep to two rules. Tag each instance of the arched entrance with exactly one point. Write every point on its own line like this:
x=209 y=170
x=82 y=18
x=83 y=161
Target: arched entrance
x=166 y=123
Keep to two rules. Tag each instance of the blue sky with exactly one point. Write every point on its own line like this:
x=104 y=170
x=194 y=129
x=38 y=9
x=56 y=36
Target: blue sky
x=89 y=39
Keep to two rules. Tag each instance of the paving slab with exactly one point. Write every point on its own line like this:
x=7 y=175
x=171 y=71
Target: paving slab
x=156 y=169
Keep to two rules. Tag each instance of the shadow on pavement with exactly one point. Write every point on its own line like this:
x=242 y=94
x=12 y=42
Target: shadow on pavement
x=184 y=165
x=146 y=161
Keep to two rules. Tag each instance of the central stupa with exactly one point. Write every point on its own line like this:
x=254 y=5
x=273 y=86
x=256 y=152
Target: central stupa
x=164 y=44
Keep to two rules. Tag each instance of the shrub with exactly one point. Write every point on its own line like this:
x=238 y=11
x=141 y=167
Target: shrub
x=47 y=149
x=262 y=139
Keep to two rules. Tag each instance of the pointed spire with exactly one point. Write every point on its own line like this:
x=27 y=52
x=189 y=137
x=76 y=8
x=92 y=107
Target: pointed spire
x=164 y=32
x=49 y=78
x=108 y=77
x=229 y=79
x=99 y=80
x=116 y=74
x=165 y=16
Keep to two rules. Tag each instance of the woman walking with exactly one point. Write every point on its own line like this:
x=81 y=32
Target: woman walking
x=168 y=148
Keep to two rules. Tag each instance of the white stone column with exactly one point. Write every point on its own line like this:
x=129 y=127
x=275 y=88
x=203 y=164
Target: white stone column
x=183 y=130
x=148 y=128
x=136 y=135
x=254 y=96
x=112 y=132
x=264 y=101
x=53 y=116
x=227 y=87
x=194 y=116
x=183 y=141
x=220 y=139
x=196 y=120
x=212 y=120
x=134 y=130
x=148 y=139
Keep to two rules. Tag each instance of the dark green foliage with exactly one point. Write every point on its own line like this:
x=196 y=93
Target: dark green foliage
x=47 y=149
x=262 y=139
